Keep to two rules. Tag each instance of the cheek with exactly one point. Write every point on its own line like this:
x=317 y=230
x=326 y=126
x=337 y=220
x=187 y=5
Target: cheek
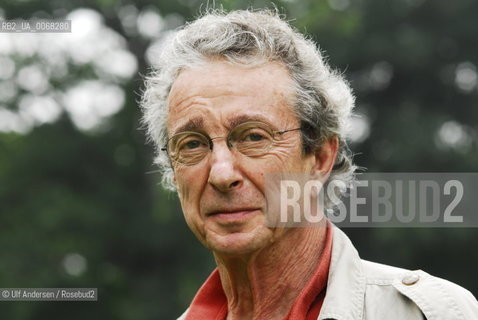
x=185 y=186
x=190 y=188
x=190 y=185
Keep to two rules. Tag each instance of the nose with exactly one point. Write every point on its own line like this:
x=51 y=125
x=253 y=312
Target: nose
x=224 y=175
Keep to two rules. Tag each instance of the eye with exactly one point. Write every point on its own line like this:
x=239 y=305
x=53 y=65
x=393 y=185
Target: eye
x=251 y=134
x=254 y=137
x=192 y=144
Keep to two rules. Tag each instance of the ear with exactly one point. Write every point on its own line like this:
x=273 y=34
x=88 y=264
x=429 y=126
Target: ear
x=325 y=158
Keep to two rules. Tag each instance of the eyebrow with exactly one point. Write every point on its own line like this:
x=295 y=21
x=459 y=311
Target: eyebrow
x=193 y=124
x=240 y=119
x=197 y=123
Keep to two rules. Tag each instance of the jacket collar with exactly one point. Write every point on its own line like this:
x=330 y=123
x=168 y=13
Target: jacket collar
x=345 y=295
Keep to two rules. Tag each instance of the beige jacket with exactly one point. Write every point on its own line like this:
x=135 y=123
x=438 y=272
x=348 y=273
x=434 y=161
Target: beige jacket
x=364 y=290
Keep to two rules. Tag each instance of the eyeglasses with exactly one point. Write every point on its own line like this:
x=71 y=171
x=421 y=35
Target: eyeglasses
x=252 y=139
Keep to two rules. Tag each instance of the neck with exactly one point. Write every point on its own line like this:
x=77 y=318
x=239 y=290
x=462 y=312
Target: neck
x=265 y=284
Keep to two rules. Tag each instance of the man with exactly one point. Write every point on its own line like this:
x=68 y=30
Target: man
x=238 y=97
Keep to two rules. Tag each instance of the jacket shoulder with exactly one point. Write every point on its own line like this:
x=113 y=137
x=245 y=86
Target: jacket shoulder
x=459 y=297
x=374 y=272
x=436 y=298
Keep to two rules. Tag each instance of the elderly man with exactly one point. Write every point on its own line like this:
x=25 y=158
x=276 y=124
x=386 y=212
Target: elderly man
x=242 y=95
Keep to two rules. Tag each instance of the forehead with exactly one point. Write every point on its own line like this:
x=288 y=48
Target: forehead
x=219 y=91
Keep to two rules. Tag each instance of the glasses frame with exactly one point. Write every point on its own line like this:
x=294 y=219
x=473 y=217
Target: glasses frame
x=210 y=142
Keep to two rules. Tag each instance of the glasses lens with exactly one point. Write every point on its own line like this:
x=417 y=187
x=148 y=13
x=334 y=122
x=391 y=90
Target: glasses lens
x=252 y=139
x=188 y=147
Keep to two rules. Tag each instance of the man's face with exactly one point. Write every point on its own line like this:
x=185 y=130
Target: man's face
x=223 y=196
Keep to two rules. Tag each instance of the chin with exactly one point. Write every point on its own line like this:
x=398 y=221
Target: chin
x=238 y=243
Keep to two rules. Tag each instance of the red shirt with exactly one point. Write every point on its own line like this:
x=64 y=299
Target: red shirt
x=210 y=302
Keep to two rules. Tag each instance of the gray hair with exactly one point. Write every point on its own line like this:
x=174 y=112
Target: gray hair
x=323 y=98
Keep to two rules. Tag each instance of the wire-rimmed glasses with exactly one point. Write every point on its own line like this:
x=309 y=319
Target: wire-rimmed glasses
x=252 y=139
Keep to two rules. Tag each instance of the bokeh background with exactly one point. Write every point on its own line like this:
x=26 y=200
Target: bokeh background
x=80 y=204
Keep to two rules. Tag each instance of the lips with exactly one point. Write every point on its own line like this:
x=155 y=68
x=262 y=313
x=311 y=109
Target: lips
x=229 y=211
x=232 y=217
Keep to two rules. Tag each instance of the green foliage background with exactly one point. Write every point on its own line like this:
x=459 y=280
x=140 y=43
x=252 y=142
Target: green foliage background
x=95 y=193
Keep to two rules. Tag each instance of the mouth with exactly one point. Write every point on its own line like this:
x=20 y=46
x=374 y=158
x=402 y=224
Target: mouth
x=232 y=214
x=231 y=211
